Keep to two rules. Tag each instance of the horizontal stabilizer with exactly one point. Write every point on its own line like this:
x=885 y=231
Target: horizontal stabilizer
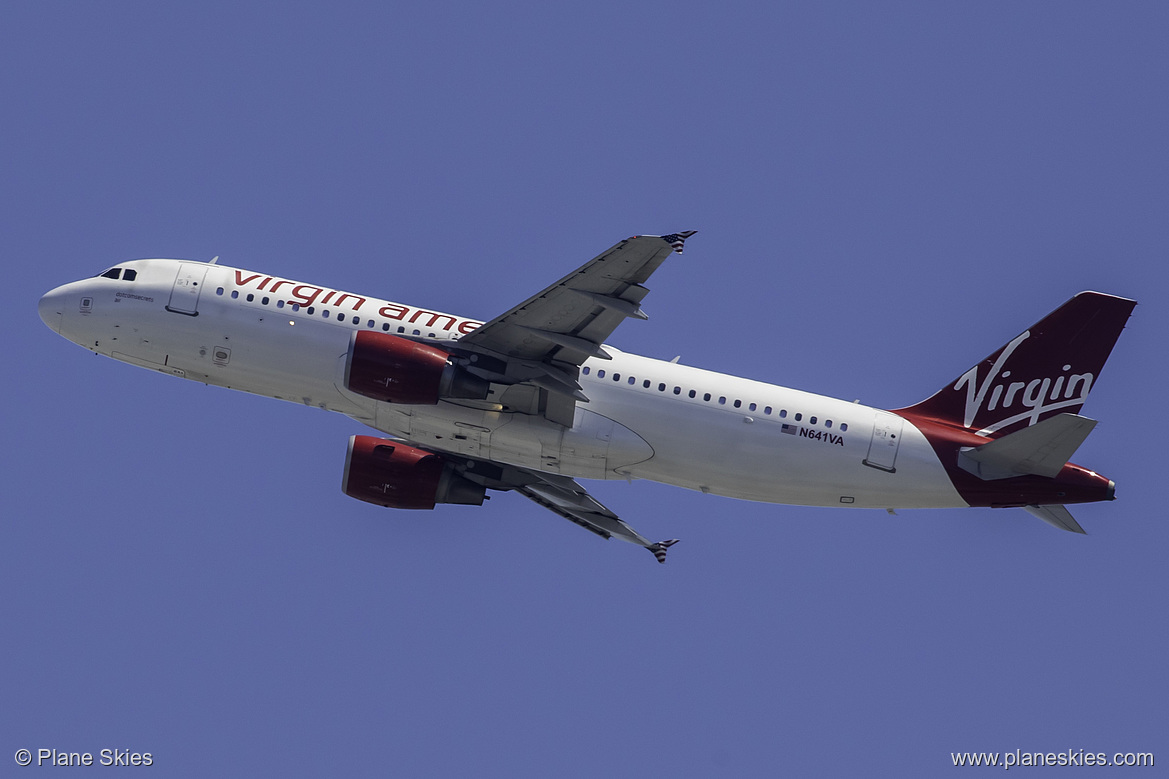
x=1042 y=449
x=1056 y=516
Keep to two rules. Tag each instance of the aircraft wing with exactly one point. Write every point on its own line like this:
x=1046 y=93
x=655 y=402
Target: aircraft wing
x=544 y=340
x=563 y=496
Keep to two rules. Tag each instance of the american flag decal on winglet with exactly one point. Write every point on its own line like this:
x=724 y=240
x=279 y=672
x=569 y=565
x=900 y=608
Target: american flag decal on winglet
x=659 y=549
x=677 y=239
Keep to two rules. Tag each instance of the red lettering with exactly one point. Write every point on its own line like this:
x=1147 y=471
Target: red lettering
x=360 y=301
x=308 y=295
x=393 y=311
x=240 y=280
x=303 y=298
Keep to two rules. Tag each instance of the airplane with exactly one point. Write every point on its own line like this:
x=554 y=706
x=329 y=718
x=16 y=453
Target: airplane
x=534 y=399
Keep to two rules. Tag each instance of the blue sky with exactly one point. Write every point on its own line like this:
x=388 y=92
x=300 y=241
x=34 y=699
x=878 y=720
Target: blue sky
x=884 y=194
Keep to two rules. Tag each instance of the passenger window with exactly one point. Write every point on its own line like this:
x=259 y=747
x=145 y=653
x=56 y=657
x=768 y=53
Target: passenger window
x=645 y=384
x=601 y=374
x=752 y=407
x=234 y=294
x=616 y=377
x=827 y=423
x=585 y=370
x=722 y=401
x=401 y=329
x=386 y=327
x=738 y=404
x=783 y=413
x=325 y=313
x=677 y=390
x=251 y=297
x=356 y=320
x=371 y=323
x=767 y=410
x=812 y=420
x=296 y=306
x=219 y=291
x=417 y=332
x=340 y=316
x=693 y=394
x=264 y=302
x=661 y=388
x=311 y=310
x=131 y=274
x=279 y=304
x=799 y=417
x=843 y=427
x=632 y=381
x=706 y=397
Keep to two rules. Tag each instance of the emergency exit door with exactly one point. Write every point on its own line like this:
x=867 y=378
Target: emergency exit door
x=184 y=296
x=886 y=438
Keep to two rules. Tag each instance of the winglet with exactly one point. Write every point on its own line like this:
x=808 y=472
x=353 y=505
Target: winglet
x=676 y=240
x=659 y=549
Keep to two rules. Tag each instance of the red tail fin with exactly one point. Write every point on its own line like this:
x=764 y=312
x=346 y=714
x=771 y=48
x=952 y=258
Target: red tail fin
x=1045 y=370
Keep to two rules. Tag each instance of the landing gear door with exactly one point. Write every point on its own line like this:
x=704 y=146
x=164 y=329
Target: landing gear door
x=886 y=438
x=184 y=296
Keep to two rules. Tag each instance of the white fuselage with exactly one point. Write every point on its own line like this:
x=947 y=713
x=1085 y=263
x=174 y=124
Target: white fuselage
x=645 y=418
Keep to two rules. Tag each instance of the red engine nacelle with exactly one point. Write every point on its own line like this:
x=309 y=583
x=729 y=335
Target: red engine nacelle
x=398 y=370
x=387 y=473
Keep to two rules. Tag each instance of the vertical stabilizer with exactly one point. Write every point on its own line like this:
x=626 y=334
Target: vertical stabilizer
x=1046 y=370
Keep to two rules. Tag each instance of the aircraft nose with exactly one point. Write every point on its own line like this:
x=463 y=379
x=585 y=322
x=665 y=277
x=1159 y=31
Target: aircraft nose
x=51 y=308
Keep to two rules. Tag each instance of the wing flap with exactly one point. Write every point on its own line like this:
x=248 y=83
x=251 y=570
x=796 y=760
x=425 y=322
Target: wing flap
x=560 y=495
x=543 y=341
x=584 y=307
x=565 y=497
x=572 y=501
x=1057 y=516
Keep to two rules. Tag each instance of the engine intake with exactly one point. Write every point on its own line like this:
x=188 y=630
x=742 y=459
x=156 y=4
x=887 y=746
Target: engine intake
x=391 y=474
x=398 y=370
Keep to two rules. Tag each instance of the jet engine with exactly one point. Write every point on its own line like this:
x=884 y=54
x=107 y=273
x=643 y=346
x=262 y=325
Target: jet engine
x=398 y=370
x=391 y=474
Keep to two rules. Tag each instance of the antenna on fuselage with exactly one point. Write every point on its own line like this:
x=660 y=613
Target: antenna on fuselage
x=214 y=260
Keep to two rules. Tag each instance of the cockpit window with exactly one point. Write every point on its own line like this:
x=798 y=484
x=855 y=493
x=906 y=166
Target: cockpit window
x=129 y=274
